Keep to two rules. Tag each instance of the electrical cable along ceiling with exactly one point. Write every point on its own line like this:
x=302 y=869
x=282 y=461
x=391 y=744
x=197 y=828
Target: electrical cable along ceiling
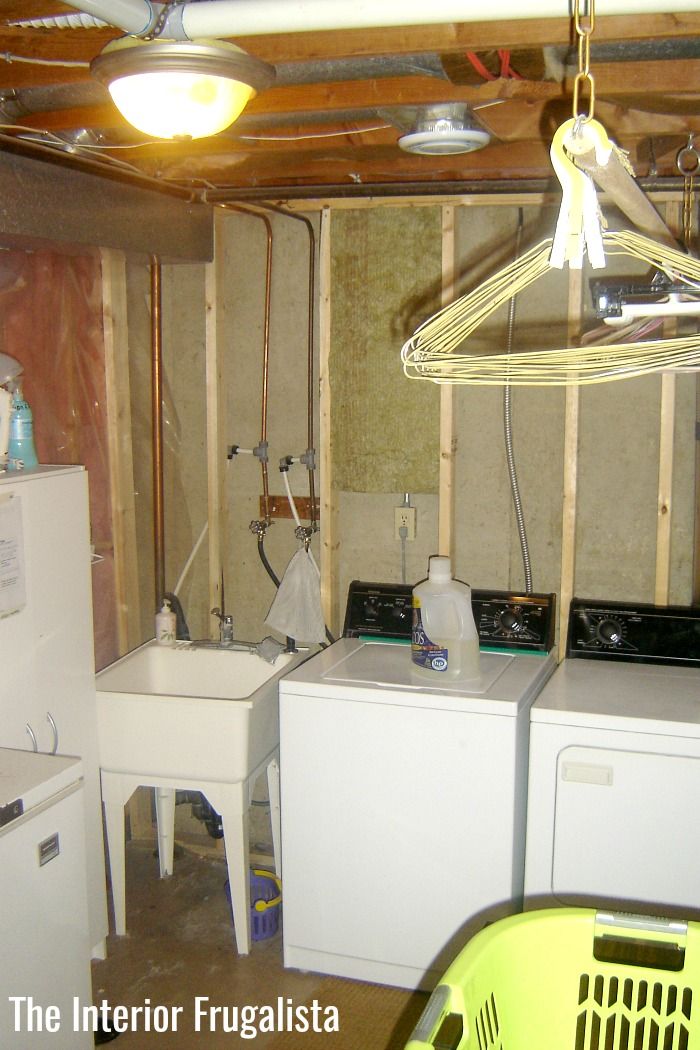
x=332 y=87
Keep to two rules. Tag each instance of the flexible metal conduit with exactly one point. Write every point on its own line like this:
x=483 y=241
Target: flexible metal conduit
x=157 y=429
x=508 y=432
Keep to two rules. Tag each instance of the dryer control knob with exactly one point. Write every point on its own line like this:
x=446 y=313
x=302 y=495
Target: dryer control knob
x=511 y=620
x=610 y=631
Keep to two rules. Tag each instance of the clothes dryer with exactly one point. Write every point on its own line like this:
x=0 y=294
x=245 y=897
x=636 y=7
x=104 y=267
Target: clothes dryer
x=614 y=778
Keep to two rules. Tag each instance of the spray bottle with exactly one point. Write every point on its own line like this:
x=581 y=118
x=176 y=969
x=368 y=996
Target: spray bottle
x=21 y=452
x=444 y=641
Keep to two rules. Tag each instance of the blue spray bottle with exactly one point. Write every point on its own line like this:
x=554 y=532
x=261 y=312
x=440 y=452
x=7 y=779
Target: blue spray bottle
x=21 y=452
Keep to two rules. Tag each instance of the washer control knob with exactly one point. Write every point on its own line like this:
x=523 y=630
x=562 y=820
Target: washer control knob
x=402 y=612
x=510 y=620
x=610 y=631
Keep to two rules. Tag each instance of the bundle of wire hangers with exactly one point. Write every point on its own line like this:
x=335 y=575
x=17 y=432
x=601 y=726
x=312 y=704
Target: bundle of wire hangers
x=433 y=352
x=436 y=351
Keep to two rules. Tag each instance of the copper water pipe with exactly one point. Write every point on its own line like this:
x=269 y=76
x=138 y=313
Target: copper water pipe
x=310 y=361
x=157 y=428
x=266 y=350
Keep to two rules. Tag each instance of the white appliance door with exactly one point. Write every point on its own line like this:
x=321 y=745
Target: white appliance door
x=397 y=828
x=624 y=827
x=43 y=924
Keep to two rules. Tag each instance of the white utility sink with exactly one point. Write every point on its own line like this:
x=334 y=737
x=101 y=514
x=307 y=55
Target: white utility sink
x=178 y=710
x=199 y=719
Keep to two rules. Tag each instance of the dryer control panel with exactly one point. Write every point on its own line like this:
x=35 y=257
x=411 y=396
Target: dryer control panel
x=642 y=633
x=504 y=619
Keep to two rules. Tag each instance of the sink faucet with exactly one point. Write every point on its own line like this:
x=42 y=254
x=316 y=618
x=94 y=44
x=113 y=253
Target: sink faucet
x=225 y=626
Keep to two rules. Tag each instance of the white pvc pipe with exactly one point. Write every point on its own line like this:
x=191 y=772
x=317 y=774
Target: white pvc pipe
x=216 y=18
x=133 y=16
x=295 y=513
x=224 y=18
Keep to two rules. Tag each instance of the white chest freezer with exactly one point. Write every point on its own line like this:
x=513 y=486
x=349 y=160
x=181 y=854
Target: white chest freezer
x=43 y=902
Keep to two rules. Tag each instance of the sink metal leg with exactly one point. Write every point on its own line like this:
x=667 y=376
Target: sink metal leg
x=273 y=788
x=230 y=802
x=165 y=817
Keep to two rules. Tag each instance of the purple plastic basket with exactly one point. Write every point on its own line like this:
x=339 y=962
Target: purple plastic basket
x=265 y=903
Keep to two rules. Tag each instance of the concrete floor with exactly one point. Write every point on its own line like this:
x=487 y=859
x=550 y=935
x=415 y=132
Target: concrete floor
x=180 y=946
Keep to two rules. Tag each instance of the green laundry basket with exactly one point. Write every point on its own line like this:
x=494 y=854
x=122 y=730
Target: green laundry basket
x=569 y=979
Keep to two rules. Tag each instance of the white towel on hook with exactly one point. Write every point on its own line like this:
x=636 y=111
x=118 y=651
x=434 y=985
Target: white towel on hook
x=296 y=609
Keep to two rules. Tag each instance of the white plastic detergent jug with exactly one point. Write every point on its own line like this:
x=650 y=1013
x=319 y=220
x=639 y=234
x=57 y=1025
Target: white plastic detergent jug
x=444 y=640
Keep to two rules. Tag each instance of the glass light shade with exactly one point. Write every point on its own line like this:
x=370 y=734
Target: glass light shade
x=170 y=105
x=180 y=88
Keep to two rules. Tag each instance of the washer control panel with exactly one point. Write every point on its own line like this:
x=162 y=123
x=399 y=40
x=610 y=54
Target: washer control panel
x=504 y=620
x=381 y=609
x=643 y=633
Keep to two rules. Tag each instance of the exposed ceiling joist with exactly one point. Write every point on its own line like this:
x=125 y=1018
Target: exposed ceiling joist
x=333 y=119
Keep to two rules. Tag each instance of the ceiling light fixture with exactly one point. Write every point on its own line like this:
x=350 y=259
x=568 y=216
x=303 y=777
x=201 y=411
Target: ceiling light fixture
x=173 y=89
x=444 y=129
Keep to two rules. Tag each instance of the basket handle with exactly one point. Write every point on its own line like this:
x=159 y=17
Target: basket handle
x=437 y=1028
x=639 y=940
x=262 y=905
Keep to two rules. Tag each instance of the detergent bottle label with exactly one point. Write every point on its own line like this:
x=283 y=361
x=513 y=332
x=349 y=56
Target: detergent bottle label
x=425 y=653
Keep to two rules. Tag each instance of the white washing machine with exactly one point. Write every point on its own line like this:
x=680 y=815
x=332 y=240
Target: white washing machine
x=614 y=781
x=403 y=805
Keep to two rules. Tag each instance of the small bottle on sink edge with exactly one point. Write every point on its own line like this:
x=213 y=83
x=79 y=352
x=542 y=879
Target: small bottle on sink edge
x=166 y=622
x=444 y=640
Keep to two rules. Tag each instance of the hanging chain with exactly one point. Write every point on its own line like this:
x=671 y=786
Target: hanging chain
x=688 y=163
x=584 y=29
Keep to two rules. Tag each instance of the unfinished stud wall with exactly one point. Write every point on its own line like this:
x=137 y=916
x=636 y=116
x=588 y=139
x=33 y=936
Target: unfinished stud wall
x=241 y=299
x=385 y=276
x=184 y=437
x=184 y=441
x=486 y=546
x=384 y=430
x=617 y=443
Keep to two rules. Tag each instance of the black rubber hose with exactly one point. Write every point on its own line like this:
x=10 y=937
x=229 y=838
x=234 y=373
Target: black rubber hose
x=263 y=558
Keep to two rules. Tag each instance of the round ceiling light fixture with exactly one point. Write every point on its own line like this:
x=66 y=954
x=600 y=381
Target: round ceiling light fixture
x=444 y=130
x=174 y=89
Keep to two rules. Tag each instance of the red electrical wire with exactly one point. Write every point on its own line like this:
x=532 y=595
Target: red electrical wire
x=480 y=67
x=506 y=70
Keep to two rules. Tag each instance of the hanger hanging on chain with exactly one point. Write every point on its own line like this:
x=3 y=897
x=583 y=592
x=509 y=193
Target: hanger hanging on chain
x=436 y=350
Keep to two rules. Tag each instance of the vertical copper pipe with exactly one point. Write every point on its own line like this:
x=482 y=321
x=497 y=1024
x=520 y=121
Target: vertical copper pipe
x=310 y=369
x=157 y=429
x=310 y=361
x=266 y=365
x=266 y=349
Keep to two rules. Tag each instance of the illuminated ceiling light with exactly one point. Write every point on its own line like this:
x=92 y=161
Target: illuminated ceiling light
x=173 y=89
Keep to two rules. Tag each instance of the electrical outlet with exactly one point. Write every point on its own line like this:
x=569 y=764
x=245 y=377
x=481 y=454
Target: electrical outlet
x=405 y=518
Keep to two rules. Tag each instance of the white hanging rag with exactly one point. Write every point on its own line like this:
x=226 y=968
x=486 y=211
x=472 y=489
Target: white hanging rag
x=296 y=609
